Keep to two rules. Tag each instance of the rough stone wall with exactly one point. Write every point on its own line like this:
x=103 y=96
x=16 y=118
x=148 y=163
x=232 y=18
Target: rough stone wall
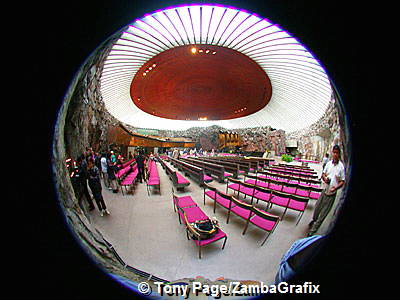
x=253 y=139
x=318 y=139
x=87 y=120
x=83 y=122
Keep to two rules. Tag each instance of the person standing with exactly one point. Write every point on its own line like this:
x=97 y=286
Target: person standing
x=104 y=166
x=95 y=186
x=140 y=165
x=111 y=169
x=82 y=171
x=333 y=176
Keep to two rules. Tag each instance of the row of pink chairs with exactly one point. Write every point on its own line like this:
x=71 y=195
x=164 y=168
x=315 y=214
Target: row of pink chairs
x=270 y=197
x=287 y=171
x=127 y=177
x=153 y=179
x=251 y=214
x=286 y=185
x=126 y=164
x=189 y=213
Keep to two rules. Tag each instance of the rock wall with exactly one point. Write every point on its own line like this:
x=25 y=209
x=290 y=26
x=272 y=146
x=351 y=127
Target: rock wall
x=253 y=139
x=318 y=139
x=83 y=122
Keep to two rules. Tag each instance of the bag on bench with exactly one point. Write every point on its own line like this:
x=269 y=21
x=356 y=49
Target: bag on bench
x=206 y=228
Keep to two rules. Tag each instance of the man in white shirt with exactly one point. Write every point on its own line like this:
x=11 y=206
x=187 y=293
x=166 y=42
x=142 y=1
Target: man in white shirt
x=103 y=163
x=333 y=176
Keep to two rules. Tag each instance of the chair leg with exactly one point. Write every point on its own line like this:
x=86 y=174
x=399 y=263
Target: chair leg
x=266 y=238
x=199 y=252
x=300 y=215
x=223 y=245
x=245 y=228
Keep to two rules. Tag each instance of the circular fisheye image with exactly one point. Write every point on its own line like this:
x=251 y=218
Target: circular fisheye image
x=202 y=150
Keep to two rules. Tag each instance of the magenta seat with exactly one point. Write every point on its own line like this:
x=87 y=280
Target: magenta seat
x=262 y=223
x=242 y=212
x=193 y=214
x=302 y=193
x=246 y=190
x=223 y=201
x=153 y=181
x=262 y=196
x=289 y=190
x=211 y=194
x=314 y=195
x=279 y=201
x=226 y=174
x=181 y=179
x=219 y=235
x=297 y=205
x=185 y=201
x=234 y=186
x=207 y=178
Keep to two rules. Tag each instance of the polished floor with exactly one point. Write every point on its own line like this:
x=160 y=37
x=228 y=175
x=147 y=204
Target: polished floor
x=146 y=233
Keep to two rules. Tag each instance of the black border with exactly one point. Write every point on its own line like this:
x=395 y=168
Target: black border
x=58 y=37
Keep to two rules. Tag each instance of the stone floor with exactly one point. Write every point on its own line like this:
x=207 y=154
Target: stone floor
x=146 y=233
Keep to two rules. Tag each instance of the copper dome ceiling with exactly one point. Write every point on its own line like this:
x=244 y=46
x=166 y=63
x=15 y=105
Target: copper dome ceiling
x=269 y=72
x=200 y=82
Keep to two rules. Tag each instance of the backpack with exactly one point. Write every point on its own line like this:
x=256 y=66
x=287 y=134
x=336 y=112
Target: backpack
x=206 y=228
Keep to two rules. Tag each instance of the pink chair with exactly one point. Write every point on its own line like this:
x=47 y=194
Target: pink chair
x=240 y=209
x=263 y=220
x=280 y=199
x=196 y=237
x=297 y=203
x=182 y=202
x=263 y=194
x=222 y=199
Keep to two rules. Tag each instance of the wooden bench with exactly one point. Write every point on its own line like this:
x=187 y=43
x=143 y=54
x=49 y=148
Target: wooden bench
x=153 y=179
x=210 y=168
x=177 y=179
x=195 y=172
x=231 y=169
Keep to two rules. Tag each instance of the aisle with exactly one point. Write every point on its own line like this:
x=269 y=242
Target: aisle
x=146 y=233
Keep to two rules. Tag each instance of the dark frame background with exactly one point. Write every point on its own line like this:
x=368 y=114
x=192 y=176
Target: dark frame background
x=60 y=36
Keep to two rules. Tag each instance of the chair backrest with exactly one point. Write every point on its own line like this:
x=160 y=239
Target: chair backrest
x=264 y=214
x=251 y=177
x=233 y=180
x=227 y=197
x=280 y=194
x=262 y=189
x=291 y=185
x=304 y=188
x=188 y=225
x=299 y=198
x=276 y=182
x=241 y=204
x=209 y=187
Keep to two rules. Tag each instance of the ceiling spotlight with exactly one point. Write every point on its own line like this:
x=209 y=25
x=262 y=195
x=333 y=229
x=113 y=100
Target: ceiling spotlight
x=154 y=65
x=201 y=50
x=207 y=51
x=194 y=50
x=150 y=68
x=144 y=74
x=214 y=52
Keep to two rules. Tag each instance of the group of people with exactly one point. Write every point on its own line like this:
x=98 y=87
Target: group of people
x=93 y=166
x=177 y=153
